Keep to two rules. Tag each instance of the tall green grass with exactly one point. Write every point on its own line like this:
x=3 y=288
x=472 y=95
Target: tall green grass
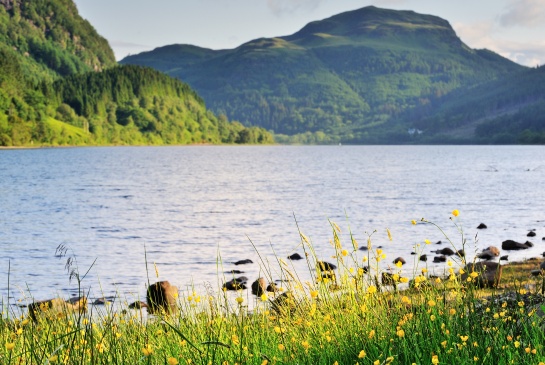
x=350 y=318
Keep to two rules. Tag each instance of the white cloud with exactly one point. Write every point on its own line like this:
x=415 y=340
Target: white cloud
x=281 y=7
x=480 y=35
x=524 y=13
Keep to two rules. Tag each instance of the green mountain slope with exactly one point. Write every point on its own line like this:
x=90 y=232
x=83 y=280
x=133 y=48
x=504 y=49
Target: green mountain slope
x=352 y=77
x=60 y=85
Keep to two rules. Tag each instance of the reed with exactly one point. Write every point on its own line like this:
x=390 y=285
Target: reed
x=346 y=318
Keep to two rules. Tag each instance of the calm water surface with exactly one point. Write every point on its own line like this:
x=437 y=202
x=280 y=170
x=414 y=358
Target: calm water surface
x=187 y=208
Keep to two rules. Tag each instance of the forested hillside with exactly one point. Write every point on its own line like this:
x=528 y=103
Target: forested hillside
x=60 y=85
x=364 y=76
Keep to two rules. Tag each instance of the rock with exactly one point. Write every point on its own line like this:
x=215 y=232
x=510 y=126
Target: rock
x=413 y=253
x=284 y=303
x=259 y=287
x=447 y=251
x=325 y=266
x=138 y=305
x=482 y=226
x=542 y=266
x=236 y=283
x=489 y=253
x=440 y=259
x=535 y=272
x=512 y=245
x=161 y=298
x=103 y=301
x=461 y=253
x=504 y=258
x=272 y=288
x=363 y=248
x=400 y=259
x=489 y=273
x=423 y=258
x=387 y=278
x=493 y=249
x=295 y=256
x=234 y=272
x=531 y=234
x=57 y=306
x=438 y=242
x=243 y=262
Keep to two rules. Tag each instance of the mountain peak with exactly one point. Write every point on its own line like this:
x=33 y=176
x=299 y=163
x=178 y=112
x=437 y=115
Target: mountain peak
x=375 y=22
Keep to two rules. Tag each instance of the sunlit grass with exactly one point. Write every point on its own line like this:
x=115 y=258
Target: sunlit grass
x=346 y=318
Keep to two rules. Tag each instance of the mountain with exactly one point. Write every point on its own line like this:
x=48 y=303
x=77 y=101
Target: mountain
x=362 y=76
x=60 y=85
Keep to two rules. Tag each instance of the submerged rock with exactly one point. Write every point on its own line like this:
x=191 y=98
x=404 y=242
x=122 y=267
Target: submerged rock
x=512 y=245
x=482 y=226
x=295 y=256
x=243 y=262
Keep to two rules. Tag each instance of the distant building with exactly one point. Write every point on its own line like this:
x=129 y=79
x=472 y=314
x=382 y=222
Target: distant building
x=412 y=131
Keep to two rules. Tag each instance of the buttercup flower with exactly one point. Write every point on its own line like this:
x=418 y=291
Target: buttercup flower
x=455 y=212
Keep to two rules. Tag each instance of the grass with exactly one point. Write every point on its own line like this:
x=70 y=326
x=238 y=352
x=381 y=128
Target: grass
x=348 y=319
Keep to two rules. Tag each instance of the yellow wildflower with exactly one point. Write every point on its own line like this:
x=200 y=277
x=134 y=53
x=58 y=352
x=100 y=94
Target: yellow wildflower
x=362 y=354
x=372 y=289
x=240 y=300
x=172 y=361
x=435 y=359
x=10 y=346
x=264 y=297
x=517 y=344
x=344 y=252
x=400 y=333
x=427 y=241
x=455 y=212
x=413 y=222
x=431 y=303
x=314 y=293
x=147 y=351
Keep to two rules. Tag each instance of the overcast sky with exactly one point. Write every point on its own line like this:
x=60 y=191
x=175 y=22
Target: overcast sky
x=512 y=28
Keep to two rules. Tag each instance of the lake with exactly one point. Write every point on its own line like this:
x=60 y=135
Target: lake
x=192 y=211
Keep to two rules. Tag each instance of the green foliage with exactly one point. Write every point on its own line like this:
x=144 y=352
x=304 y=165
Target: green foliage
x=365 y=76
x=59 y=86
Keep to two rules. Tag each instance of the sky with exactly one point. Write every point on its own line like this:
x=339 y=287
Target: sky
x=513 y=28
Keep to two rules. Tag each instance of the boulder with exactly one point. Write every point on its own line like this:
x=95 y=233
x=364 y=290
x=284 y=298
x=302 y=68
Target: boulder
x=542 y=266
x=461 y=253
x=272 y=288
x=387 y=278
x=489 y=253
x=531 y=234
x=295 y=256
x=489 y=273
x=243 y=262
x=138 y=305
x=439 y=259
x=236 y=283
x=509 y=245
x=283 y=303
x=423 y=258
x=325 y=266
x=504 y=258
x=400 y=259
x=482 y=226
x=259 y=287
x=447 y=251
x=161 y=298
x=57 y=307
x=536 y=272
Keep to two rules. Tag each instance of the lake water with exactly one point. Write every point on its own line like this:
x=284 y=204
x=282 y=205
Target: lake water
x=194 y=210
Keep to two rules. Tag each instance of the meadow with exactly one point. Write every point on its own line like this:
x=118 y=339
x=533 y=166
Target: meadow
x=346 y=316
